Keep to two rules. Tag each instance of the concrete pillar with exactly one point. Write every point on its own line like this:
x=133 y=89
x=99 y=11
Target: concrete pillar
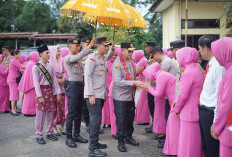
x=16 y=43
x=34 y=43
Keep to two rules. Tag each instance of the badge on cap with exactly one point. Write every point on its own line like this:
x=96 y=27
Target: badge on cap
x=131 y=44
x=75 y=42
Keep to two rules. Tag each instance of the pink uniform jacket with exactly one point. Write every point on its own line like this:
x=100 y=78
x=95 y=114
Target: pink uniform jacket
x=222 y=50
x=190 y=85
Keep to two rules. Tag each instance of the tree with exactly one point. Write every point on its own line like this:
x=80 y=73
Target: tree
x=228 y=12
x=35 y=16
x=9 y=10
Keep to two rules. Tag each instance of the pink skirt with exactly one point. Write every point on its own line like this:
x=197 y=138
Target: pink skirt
x=106 y=113
x=159 y=123
x=112 y=117
x=4 y=98
x=225 y=151
x=14 y=93
x=190 y=140
x=142 y=113
x=172 y=134
x=29 y=103
x=59 y=115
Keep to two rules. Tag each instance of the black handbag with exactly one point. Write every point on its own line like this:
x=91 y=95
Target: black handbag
x=19 y=77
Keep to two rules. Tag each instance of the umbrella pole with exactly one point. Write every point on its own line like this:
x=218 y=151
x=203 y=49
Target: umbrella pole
x=114 y=32
x=95 y=30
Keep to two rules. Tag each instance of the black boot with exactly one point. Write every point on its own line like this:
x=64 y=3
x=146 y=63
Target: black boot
x=121 y=145
x=96 y=153
x=149 y=129
x=78 y=138
x=131 y=141
x=70 y=143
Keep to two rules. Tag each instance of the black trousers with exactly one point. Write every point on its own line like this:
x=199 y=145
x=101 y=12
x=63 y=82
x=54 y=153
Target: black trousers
x=151 y=104
x=75 y=93
x=85 y=113
x=210 y=146
x=95 y=114
x=125 y=114
x=167 y=109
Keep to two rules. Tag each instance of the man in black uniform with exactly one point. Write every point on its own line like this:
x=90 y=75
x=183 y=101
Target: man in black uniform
x=148 y=47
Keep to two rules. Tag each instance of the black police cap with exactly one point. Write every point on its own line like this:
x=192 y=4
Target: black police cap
x=176 y=44
x=85 y=40
x=103 y=40
x=150 y=43
x=73 y=41
x=127 y=45
x=42 y=48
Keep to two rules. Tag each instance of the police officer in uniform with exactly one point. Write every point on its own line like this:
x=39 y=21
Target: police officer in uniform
x=75 y=90
x=124 y=71
x=95 y=92
x=85 y=113
x=151 y=104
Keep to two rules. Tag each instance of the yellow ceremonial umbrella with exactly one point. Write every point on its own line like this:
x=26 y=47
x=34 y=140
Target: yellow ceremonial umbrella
x=67 y=8
x=139 y=20
x=100 y=11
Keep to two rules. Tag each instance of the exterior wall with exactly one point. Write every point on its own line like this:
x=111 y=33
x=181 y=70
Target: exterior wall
x=196 y=10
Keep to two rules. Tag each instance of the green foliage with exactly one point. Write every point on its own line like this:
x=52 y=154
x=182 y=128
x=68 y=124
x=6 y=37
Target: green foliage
x=35 y=16
x=228 y=12
x=9 y=10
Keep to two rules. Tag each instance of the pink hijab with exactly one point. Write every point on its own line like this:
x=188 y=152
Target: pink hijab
x=23 y=59
x=186 y=56
x=138 y=55
x=168 y=53
x=26 y=82
x=151 y=71
x=64 y=52
x=118 y=52
x=222 y=51
x=56 y=63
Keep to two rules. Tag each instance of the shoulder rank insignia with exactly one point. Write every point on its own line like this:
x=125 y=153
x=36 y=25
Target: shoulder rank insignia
x=117 y=67
x=92 y=59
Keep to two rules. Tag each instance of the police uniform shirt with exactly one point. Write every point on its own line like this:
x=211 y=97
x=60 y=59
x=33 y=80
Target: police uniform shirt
x=73 y=65
x=122 y=88
x=169 y=66
x=95 y=75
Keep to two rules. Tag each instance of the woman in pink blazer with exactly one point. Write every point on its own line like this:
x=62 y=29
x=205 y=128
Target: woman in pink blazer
x=187 y=103
x=4 y=88
x=222 y=51
x=14 y=67
x=142 y=113
x=165 y=87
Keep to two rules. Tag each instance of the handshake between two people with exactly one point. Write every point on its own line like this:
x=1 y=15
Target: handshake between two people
x=142 y=84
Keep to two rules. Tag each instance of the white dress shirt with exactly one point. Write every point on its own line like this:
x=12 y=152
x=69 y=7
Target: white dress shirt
x=209 y=93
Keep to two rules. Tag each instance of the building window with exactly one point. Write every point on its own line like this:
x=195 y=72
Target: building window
x=201 y=23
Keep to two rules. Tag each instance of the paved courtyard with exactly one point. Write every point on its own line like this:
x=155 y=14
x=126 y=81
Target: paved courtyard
x=17 y=139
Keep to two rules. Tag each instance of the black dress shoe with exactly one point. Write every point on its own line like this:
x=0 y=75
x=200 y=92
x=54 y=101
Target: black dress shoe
x=115 y=137
x=121 y=146
x=161 y=145
x=159 y=138
x=101 y=146
x=14 y=114
x=131 y=141
x=70 y=143
x=40 y=141
x=52 y=137
x=29 y=115
x=96 y=153
x=57 y=134
x=149 y=129
x=163 y=154
x=78 y=138
x=143 y=123
x=161 y=141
